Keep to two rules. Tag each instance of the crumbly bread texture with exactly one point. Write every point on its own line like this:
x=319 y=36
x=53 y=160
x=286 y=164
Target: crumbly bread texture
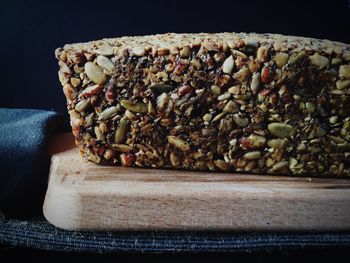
x=257 y=103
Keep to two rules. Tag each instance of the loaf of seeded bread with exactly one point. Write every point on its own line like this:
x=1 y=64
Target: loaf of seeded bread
x=257 y=103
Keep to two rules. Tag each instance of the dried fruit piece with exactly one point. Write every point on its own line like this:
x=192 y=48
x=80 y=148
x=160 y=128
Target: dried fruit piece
x=91 y=90
x=109 y=154
x=127 y=159
x=265 y=75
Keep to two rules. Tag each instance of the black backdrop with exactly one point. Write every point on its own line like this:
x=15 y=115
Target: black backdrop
x=31 y=30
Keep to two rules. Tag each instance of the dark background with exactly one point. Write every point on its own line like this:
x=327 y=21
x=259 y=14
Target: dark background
x=31 y=30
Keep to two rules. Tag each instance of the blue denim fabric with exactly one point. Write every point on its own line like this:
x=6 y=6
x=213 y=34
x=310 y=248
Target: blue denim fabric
x=24 y=162
x=40 y=234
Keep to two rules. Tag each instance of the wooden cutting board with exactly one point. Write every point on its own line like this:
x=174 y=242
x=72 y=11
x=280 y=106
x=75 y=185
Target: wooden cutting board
x=86 y=196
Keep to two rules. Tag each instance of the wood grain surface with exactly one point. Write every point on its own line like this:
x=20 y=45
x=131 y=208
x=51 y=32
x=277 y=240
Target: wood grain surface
x=86 y=196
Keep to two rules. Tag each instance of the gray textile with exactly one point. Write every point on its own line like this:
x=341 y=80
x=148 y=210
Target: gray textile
x=24 y=161
x=40 y=234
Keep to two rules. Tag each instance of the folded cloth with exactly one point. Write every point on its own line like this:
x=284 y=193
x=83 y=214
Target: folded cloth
x=24 y=161
x=38 y=233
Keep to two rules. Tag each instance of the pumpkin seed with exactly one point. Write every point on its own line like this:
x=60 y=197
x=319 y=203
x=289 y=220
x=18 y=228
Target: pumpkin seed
x=134 y=107
x=121 y=130
x=280 y=130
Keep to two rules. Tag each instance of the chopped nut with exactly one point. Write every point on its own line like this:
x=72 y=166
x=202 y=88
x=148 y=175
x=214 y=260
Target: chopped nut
x=215 y=89
x=94 y=158
x=281 y=130
x=296 y=57
x=185 y=52
x=277 y=143
x=242 y=74
x=261 y=55
x=95 y=73
x=222 y=165
x=69 y=92
x=256 y=140
x=64 y=68
x=318 y=60
x=281 y=59
x=207 y=117
x=228 y=64
x=109 y=154
x=311 y=107
x=178 y=143
x=174 y=159
x=127 y=159
x=123 y=148
x=75 y=57
x=75 y=82
x=138 y=51
x=231 y=107
x=240 y=121
x=163 y=102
